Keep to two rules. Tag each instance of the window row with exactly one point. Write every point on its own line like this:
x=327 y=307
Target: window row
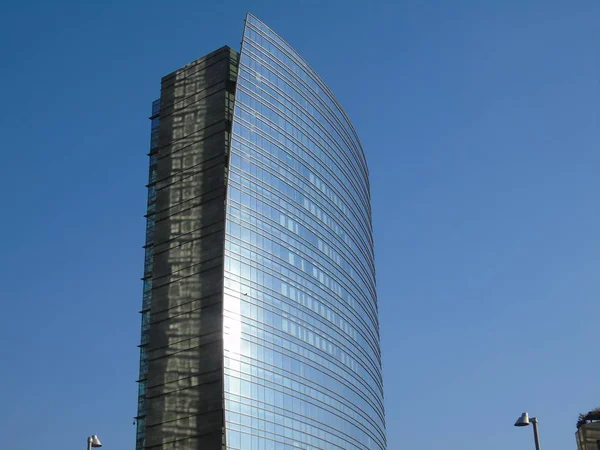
x=293 y=138
x=249 y=159
x=287 y=316
x=284 y=253
x=264 y=100
x=302 y=77
x=351 y=368
x=303 y=162
x=267 y=370
x=276 y=223
x=275 y=352
x=248 y=193
x=265 y=335
x=247 y=127
x=294 y=396
x=253 y=264
x=257 y=182
x=329 y=429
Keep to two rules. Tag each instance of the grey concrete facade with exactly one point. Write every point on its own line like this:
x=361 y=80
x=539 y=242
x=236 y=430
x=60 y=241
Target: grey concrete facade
x=588 y=436
x=181 y=372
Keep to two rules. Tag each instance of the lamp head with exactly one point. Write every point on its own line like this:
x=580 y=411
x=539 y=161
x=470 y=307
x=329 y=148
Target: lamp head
x=95 y=441
x=522 y=421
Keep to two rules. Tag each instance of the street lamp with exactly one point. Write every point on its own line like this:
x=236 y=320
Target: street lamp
x=523 y=421
x=93 y=441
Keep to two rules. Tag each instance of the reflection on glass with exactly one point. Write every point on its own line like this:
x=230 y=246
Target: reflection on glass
x=301 y=334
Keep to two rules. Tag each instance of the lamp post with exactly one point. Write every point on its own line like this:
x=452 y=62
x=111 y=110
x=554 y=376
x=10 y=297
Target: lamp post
x=93 y=441
x=523 y=421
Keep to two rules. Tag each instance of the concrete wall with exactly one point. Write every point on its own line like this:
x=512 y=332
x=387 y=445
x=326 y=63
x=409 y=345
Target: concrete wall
x=184 y=399
x=588 y=436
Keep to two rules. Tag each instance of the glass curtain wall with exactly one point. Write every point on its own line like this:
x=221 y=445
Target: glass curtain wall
x=302 y=362
x=147 y=298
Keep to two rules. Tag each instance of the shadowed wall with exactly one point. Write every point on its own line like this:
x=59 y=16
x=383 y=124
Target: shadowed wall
x=184 y=387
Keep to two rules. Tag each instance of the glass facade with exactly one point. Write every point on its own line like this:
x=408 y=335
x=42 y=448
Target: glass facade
x=147 y=279
x=302 y=364
x=259 y=320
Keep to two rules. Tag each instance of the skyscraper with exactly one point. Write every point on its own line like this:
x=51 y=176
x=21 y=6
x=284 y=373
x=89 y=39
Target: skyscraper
x=259 y=318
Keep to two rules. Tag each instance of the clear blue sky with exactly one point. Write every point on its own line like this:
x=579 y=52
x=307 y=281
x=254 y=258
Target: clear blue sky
x=480 y=124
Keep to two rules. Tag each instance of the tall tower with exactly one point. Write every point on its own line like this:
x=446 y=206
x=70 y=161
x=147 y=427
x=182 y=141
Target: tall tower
x=259 y=319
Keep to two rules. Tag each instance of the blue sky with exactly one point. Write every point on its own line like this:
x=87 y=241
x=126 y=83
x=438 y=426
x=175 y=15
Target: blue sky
x=480 y=124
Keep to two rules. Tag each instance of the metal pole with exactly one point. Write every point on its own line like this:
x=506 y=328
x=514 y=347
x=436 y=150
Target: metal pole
x=536 y=434
x=89 y=443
